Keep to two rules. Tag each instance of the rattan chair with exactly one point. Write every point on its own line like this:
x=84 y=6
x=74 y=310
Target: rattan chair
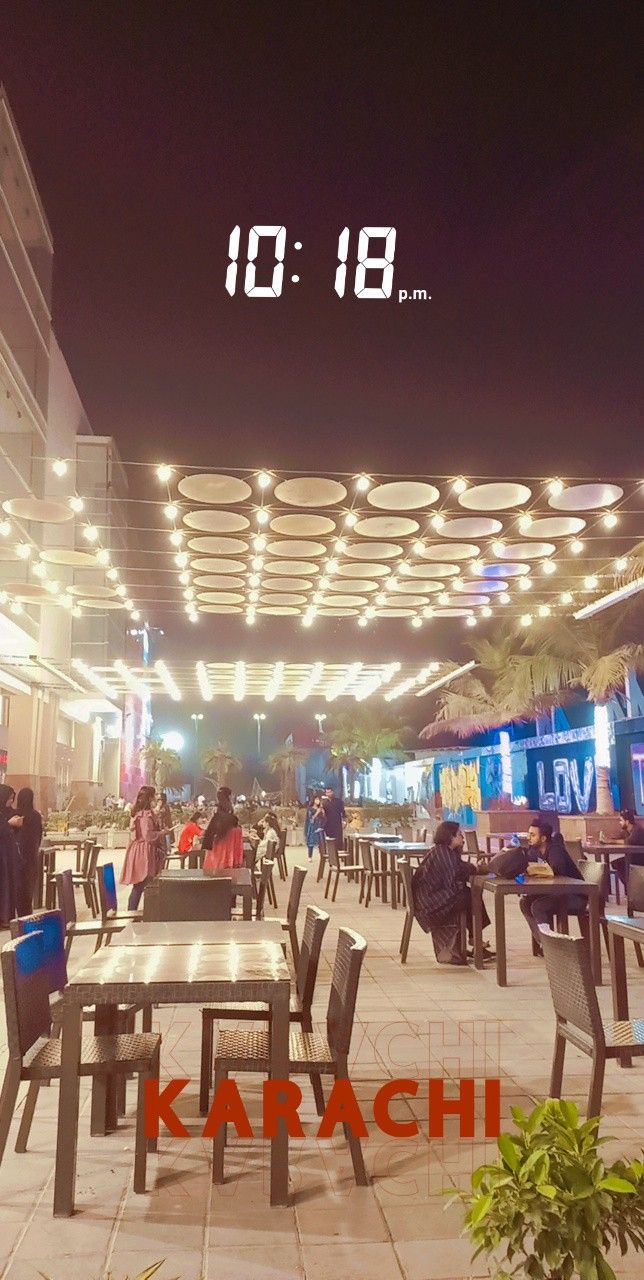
x=338 y=868
x=189 y=899
x=593 y=873
x=368 y=874
x=309 y=1053
x=299 y=1006
x=86 y=878
x=108 y=900
x=322 y=847
x=280 y=856
x=173 y=855
x=635 y=902
x=35 y=1055
x=74 y=928
x=263 y=887
x=472 y=842
x=579 y=1018
x=289 y=922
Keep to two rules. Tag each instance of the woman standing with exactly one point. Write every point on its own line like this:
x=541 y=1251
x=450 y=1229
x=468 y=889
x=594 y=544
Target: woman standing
x=144 y=854
x=314 y=824
x=27 y=825
x=164 y=818
x=222 y=840
x=10 y=865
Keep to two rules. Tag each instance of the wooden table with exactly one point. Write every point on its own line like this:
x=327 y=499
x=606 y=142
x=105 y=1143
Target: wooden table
x=500 y=889
x=389 y=852
x=620 y=930
x=501 y=837
x=241 y=877
x=173 y=933
x=378 y=842
x=196 y=974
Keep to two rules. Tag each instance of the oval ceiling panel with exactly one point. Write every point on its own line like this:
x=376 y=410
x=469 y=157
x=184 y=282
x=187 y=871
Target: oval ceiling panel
x=354 y=584
x=555 y=527
x=220 y=608
x=213 y=488
x=207 y=564
x=214 y=522
x=427 y=585
x=452 y=551
x=288 y=584
x=386 y=527
x=345 y=602
x=223 y=546
x=296 y=547
x=402 y=495
x=29 y=592
x=220 y=597
x=219 y=582
x=291 y=566
x=506 y=570
x=310 y=491
x=302 y=526
x=99 y=604
x=481 y=588
x=279 y=611
x=435 y=570
x=278 y=597
x=40 y=509
x=223 y=565
x=367 y=570
x=470 y=527
x=68 y=556
x=586 y=497
x=92 y=590
x=374 y=550
x=525 y=551
x=469 y=600
x=498 y=496
x=452 y=613
x=337 y=613
x=407 y=601
x=395 y=613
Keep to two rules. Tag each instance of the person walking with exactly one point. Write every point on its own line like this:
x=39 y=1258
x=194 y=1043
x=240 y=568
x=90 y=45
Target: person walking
x=27 y=825
x=145 y=852
x=314 y=824
x=334 y=817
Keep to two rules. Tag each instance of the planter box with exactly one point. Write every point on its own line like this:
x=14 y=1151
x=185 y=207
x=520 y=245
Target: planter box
x=492 y=821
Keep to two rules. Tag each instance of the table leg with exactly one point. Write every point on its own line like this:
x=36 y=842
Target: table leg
x=104 y=1092
x=392 y=872
x=40 y=879
x=595 y=939
x=477 y=922
x=67 y=1135
x=247 y=903
x=382 y=866
x=619 y=984
x=499 y=936
x=279 y=1071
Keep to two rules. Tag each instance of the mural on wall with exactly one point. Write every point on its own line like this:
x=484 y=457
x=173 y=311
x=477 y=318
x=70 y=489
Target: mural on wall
x=460 y=789
x=637 y=767
x=562 y=779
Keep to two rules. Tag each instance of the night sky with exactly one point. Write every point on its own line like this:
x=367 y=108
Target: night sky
x=502 y=141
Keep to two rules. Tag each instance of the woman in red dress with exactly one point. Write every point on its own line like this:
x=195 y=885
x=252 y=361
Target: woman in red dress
x=222 y=840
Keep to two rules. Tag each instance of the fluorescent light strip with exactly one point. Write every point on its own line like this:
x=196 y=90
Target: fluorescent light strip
x=60 y=675
x=8 y=681
x=204 y=682
x=239 y=685
x=451 y=675
x=341 y=686
x=275 y=683
x=399 y=689
x=135 y=686
x=93 y=678
x=613 y=597
x=309 y=683
x=167 y=681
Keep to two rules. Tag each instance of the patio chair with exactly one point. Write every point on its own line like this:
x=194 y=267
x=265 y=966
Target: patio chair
x=35 y=1055
x=280 y=856
x=189 y=899
x=309 y=1053
x=263 y=883
x=338 y=868
x=368 y=874
x=74 y=928
x=593 y=873
x=579 y=1018
x=300 y=1003
x=108 y=900
x=635 y=902
x=173 y=855
x=322 y=850
x=289 y=922
x=472 y=842
x=85 y=879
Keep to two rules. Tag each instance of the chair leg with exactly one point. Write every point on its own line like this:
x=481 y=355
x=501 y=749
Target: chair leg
x=556 y=1074
x=363 y=881
x=219 y=1140
x=369 y=888
x=155 y=1074
x=335 y=887
x=640 y=956
x=295 y=945
x=596 y=1085
x=320 y=868
x=141 y=1144
x=318 y=1094
x=406 y=935
x=10 y=1086
x=328 y=883
x=207 y=1029
x=27 y=1116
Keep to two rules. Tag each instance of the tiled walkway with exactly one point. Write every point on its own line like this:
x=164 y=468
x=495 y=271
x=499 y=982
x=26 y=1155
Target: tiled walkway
x=412 y=1021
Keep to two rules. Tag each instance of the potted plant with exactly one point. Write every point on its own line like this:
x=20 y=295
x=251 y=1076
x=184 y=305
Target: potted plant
x=549 y=1207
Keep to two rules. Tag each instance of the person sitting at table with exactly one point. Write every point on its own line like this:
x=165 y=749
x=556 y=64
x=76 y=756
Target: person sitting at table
x=191 y=832
x=442 y=893
x=270 y=837
x=633 y=834
x=222 y=840
x=550 y=848
x=145 y=852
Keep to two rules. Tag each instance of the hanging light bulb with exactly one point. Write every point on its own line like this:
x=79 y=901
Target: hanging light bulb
x=498 y=547
x=610 y=520
x=39 y=569
x=443 y=598
x=363 y=622
x=419 y=548
x=566 y=597
x=5 y=528
x=544 y=610
x=164 y=473
x=438 y=521
x=171 y=512
x=23 y=550
x=526 y=619
x=525 y=522
x=459 y=485
x=504 y=597
x=112 y=574
x=621 y=564
x=591 y=581
x=264 y=480
x=416 y=623
x=549 y=567
x=90 y=533
x=362 y=483
x=77 y=504
x=471 y=621
x=524 y=583
x=103 y=556
x=184 y=578
x=59 y=467
x=340 y=545
x=259 y=542
x=486 y=612
x=350 y=519
x=181 y=560
x=176 y=537
x=555 y=488
x=262 y=516
x=576 y=546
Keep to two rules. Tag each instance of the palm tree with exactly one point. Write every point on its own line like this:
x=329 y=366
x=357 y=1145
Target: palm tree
x=357 y=737
x=218 y=762
x=159 y=762
x=286 y=761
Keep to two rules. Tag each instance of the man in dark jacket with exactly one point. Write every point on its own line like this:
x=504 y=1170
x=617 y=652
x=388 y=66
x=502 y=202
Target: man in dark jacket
x=551 y=849
x=633 y=833
x=334 y=817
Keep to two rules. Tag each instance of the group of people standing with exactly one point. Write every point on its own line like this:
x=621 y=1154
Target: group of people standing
x=20 y=840
x=325 y=816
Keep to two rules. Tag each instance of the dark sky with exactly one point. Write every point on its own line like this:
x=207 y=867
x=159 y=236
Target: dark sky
x=500 y=139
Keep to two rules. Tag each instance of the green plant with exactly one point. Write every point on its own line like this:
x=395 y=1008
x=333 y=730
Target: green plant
x=358 y=736
x=159 y=762
x=218 y=761
x=286 y=761
x=550 y=1201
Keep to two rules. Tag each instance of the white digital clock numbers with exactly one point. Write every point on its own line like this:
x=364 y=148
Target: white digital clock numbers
x=366 y=261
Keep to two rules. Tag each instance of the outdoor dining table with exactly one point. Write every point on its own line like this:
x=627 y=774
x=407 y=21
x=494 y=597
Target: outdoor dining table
x=377 y=841
x=197 y=973
x=388 y=854
x=241 y=877
x=620 y=930
x=174 y=933
x=501 y=888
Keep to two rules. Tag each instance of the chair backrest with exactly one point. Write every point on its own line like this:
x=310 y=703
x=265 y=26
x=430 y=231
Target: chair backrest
x=472 y=841
x=366 y=855
x=350 y=953
x=52 y=926
x=596 y=873
x=315 y=924
x=635 y=891
x=571 y=982
x=332 y=851
x=88 y=845
x=297 y=883
x=281 y=845
x=107 y=889
x=65 y=896
x=207 y=898
x=26 y=997
x=250 y=856
x=575 y=849
x=404 y=868
x=93 y=861
x=265 y=874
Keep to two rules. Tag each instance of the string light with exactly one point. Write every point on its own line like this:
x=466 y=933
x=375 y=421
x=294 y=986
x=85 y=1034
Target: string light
x=171 y=512
x=167 y=681
x=250 y=616
x=363 y=622
x=459 y=485
x=39 y=569
x=257 y=562
x=5 y=528
x=164 y=473
x=239 y=685
x=275 y=683
x=93 y=678
x=350 y=519
x=184 y=578
x=112 y=574
x=90 y=533
x=176 y=537
x=264 y=480
x=437 y=521
x=526 y=620
x=262 y=516
x=181 y=560
x=566 y=597
x=103 y=556
x=443 y=598
x=524 y=583
x=76 y=611
x=621 y=564
x=555 y=488
x=504 y=597
x=363 y=483
x=498 y=548
x=23 y=550
x=77 y=504
x=576 y=546
x=549 y=567
x=59 y=467
x=486 y=612
x=610 y=520
x=419 y=548
x=15 y=607
x=416 y=623
x=340 y=545
x=428 y=611
x=525 y=522
x=591 y=581
x=544 y=610
x=259 y=542
x=471 y=621
x=253 y=596
x=121 y=590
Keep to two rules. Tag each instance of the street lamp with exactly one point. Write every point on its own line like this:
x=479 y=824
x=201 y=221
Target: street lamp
x=196 y=717
x=320 y=717
x=258 y=717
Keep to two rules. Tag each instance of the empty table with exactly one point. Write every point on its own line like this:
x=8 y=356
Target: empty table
x=500 y=889
x=388 y=854
x=172 y=933
x=194 y=974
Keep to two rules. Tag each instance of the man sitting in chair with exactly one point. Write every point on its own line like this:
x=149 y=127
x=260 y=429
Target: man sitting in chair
x=550 y=848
